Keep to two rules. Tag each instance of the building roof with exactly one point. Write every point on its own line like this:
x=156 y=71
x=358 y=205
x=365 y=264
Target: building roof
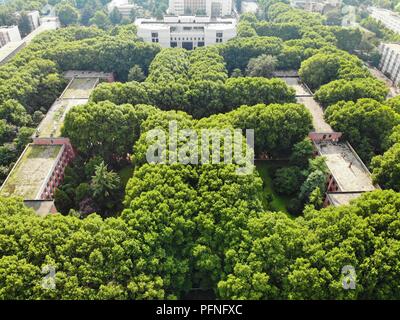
x=77 y=93
x=346 y=167
x=342 y=198
x=393 y=46
x=31 y=172
x=173 y=20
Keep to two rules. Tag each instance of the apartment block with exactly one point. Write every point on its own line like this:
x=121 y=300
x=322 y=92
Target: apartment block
x=389 y=19
x=9 y=34
x=390 y=61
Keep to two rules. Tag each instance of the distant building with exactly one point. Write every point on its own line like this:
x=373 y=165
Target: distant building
x=34 y=19
x=389 y=19
x=315 y=5
x=390 y=61
x=211 y=8
x=9 y=34
x=124 y=7
x=187 y=32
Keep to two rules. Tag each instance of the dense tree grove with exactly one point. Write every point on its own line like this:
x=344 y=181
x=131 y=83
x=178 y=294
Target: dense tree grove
x=153 y=252
x=169 y=228
x=351 y=90
x=195 y=82
x=33 y=79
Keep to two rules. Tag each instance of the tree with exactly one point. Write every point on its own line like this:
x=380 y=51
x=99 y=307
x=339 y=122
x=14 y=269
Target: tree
x=136 y=74
x=115 y=16
x=24 y=24
x=101 y=20
x=104 y=182
x=237 y=52
x=319 y=69
x=302 y=153
x=288 y=180
x=67 y=14
x=262 y=66
x=245 y=29
x=317 y=179
x=365 y=123
x=351 y=90
x=236 y=73
x=13 y=112
x=386 y=168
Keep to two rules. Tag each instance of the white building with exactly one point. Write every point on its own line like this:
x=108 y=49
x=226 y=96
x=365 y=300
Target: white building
x=390 y=61
x=9 y=34
x=390 y=19
x=315 y=5
x=213 y=8
x=186 y=32
x=34 y=19
x=123 y=6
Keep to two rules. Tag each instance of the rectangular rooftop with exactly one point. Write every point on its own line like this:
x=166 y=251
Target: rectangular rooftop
x=77 y=93
x=31 y=171
x=346 y=167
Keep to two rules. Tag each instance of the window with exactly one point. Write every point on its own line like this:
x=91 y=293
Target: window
x=174 y=44
x=154 y=34
x=219 y=34
x=200 y=44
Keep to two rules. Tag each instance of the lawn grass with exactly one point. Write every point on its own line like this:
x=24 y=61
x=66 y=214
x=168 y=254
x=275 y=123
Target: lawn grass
x=264 y=169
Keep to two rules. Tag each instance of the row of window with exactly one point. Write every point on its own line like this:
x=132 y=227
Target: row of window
x=187 y=45
x=187 y=39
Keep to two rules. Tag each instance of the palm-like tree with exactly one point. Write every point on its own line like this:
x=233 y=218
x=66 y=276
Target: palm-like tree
x=104 y=181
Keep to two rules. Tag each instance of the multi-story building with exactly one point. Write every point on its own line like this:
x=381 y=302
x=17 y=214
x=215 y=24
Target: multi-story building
x=315 y=5
x=9 y=34
x=389 y=19
x=125 y=7
x=187 y=32
x=211 y=8
x=34 y=19
x=390 y=61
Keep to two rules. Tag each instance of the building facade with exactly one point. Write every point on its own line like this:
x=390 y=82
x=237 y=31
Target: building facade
x=315 y=5
x=124 y=7
x=211 y=8
x=187 y=32
x=389 y=19
x=34 y=19
x=390 y=61
x=9 y=34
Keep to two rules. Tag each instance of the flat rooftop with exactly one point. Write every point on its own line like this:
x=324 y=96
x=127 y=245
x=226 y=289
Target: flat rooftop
x=342 y=198
x=393 y=46
x=77 y=93
x=31 y=171
x=80 y=88
x=87 y=74
x=305 y=97
x=346 y=167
